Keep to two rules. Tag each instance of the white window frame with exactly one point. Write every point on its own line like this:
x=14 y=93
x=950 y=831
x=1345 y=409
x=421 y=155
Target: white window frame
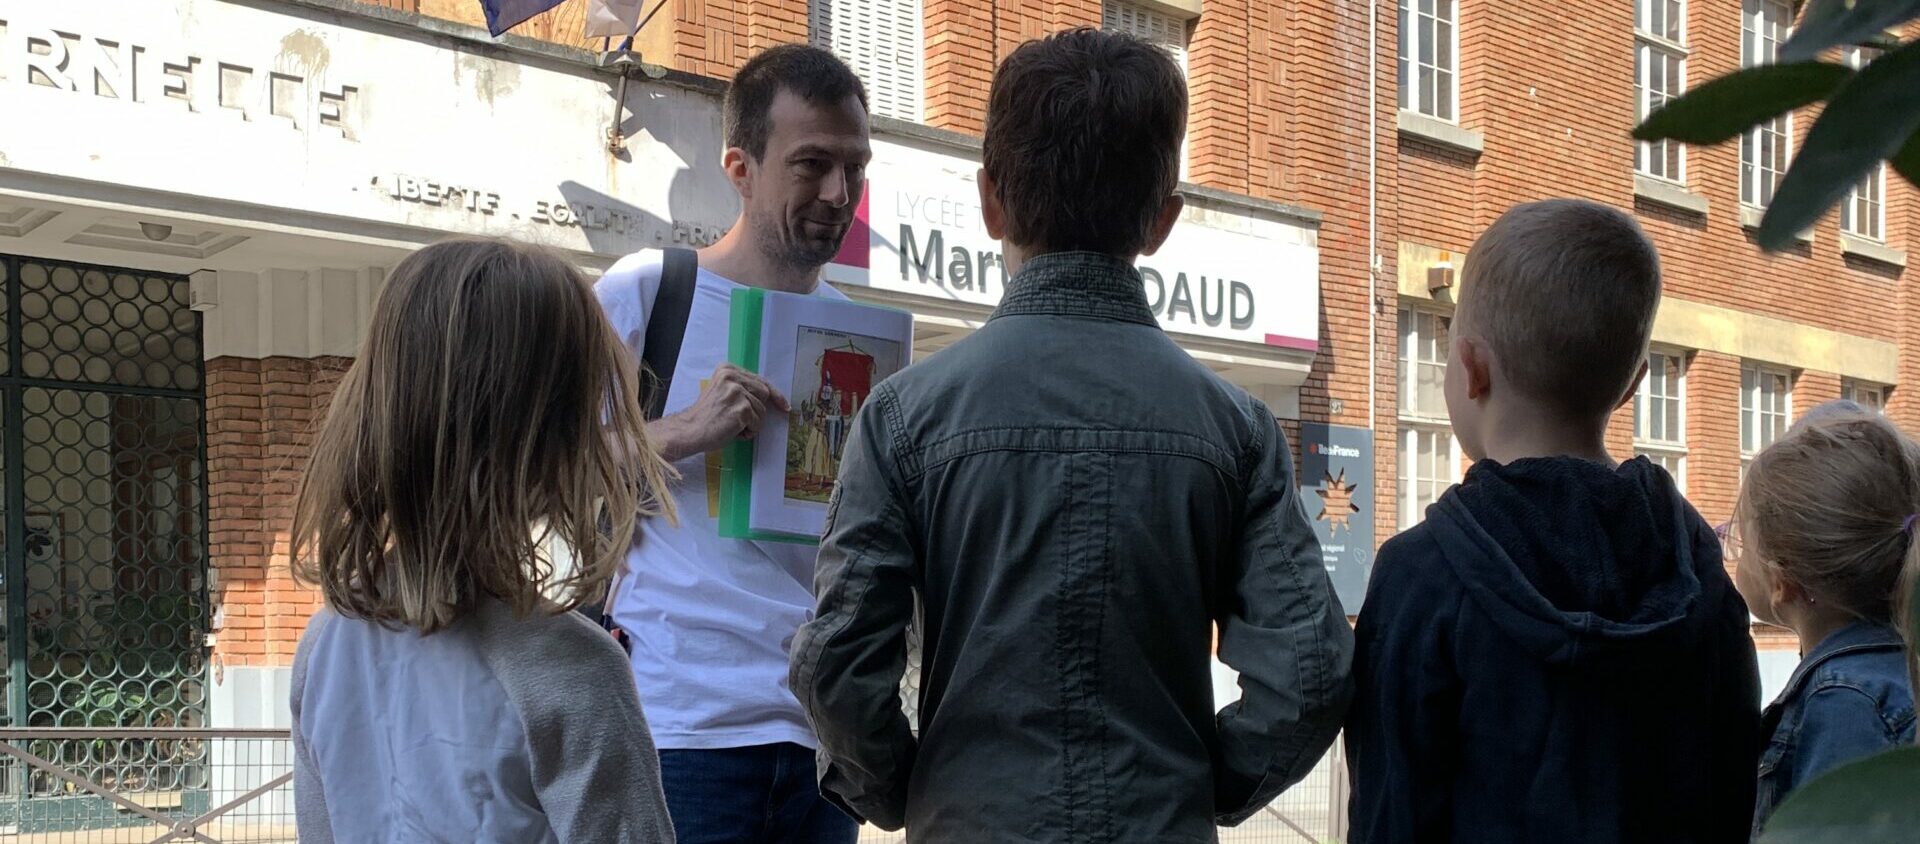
x=1864 y=213
x=1752 y=414
x=1155 y=27
x=1410 y=64
x=1760 y=40
x=1672 y=448
x=1418 y=422
x=1870 y=197
x=1865 y=393
x=1648 y=47
x=828 y=21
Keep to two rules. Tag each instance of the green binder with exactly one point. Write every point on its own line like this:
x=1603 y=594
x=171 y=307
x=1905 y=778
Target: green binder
x=736 y=461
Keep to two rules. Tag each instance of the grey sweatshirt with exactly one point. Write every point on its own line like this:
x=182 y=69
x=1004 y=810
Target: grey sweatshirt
x=495 y=730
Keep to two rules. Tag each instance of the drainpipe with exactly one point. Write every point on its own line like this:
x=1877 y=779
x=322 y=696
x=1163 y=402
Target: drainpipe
x=1373 y=212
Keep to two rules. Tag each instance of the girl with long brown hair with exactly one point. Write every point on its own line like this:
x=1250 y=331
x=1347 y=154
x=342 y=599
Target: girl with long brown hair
x=446 y=693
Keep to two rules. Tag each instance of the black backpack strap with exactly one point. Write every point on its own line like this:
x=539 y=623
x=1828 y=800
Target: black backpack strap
x=667 y=326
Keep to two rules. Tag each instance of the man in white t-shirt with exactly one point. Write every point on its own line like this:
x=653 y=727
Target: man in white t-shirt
x=710 y=619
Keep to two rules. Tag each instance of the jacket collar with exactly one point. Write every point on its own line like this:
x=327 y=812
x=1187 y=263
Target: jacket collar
x=1087 y=284
x=1853 y=638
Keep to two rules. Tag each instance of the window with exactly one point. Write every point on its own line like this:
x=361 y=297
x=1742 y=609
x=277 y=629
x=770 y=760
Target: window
x=1149 y=25
x=1660 y=68
x=1660 y=415
x=1153 y=27
x=1429 y=42
x=1766 y=404
x=1766 y=149
x=1429 y=457
x=881 y=41
x=1870 y=396
x=1864 y=213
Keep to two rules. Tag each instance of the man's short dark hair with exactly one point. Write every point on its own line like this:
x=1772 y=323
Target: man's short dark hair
x=1083 y=141
x=811 y=73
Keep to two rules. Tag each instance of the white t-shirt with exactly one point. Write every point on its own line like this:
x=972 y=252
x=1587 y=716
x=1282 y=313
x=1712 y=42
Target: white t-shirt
x=710 y=619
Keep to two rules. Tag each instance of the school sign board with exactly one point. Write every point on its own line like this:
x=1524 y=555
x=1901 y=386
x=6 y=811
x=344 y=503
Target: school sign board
x=1223 y=273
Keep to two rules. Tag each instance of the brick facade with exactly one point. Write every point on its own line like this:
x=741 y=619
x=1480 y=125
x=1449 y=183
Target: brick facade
x=260 y=418
x=1553 y=97
x=1280 y=111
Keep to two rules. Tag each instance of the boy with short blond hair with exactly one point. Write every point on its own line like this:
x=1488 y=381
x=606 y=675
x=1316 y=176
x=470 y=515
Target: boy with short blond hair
x=1556 y=653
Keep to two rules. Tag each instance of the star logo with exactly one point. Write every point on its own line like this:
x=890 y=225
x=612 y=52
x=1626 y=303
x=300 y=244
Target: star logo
x=1336 y=497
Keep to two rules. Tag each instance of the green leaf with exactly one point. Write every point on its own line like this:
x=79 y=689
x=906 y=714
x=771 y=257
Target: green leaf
x=1866 y=802
x=1720 y=110
x=1906 y=162
x=1835 y=23
x=1865 y=122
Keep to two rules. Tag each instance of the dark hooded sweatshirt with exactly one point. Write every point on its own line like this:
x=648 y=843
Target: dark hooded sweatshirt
x=1555 y=655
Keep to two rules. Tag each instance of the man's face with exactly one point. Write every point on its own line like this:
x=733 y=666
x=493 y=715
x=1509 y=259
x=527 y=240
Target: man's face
x=802 y=193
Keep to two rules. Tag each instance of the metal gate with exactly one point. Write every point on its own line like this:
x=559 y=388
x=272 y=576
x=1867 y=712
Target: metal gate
x=102 y=406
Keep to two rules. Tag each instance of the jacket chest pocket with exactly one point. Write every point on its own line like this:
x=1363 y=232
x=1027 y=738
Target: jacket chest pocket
x=1774 y=782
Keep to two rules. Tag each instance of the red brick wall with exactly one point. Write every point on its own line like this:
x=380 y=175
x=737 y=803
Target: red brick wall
x=260 y=416
x=1553 y=97
x=1311 y=122
x=961 y=55
x=1555 y=123
x=1713 y=425
x=1219 y=64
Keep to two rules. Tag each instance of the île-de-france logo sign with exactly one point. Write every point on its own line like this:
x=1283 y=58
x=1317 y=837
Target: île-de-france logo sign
x=1336 y=497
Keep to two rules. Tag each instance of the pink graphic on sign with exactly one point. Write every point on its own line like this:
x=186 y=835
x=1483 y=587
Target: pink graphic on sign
x=853 y=250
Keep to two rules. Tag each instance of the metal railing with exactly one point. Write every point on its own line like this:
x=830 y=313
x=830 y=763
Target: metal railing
x=1313 y=811
x=62 y=785
x=79 y=785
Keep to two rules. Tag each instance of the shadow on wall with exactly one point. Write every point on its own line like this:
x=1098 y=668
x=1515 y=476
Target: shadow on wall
x=661 y=131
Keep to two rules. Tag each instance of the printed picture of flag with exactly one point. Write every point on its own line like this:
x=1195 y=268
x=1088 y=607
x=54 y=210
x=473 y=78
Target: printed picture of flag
x=833 y=374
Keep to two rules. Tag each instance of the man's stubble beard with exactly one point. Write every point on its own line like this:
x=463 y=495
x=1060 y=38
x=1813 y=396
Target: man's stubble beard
x=797 y=255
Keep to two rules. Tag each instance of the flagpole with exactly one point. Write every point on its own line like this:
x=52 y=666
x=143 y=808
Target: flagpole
x=627 y=63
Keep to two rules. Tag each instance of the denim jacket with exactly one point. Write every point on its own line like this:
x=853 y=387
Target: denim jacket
x=1849 y=698
x=1077 y=503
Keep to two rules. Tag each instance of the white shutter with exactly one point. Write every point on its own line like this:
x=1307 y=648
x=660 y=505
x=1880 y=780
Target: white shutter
x=1149 y=25
x=1154 y=27
x=881 y=40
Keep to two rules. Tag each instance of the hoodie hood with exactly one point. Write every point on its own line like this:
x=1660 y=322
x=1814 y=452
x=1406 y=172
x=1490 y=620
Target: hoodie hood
x=1576 y=561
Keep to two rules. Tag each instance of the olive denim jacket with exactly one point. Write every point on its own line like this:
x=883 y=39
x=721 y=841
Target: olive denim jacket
x=1075 y=503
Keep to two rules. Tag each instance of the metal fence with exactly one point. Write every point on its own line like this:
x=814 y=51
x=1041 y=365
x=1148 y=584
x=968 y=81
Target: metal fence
x=108 y=786
x=1314 y=811
x=113 y=786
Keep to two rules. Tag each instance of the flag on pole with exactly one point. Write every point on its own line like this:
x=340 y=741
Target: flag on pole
x=503 y=15
x=613 y=18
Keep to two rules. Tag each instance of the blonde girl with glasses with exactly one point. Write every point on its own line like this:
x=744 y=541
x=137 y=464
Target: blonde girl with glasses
x=1823 y=537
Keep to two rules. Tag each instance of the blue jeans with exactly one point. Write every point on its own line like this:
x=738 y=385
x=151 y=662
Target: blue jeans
x=750 y=795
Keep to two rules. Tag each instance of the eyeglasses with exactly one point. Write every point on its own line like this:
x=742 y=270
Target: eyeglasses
x=1729 y=535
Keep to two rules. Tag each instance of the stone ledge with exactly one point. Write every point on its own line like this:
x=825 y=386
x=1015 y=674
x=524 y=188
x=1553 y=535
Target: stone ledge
x=1750 y=218
x=1861 y=247
x=1669 y=194
x=1441 y=132
x=1183 y=9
